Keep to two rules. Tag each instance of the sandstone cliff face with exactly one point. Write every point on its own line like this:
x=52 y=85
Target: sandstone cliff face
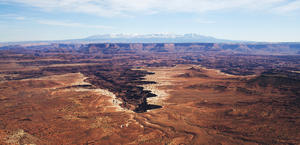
x=120 y=80
x=117 y=48
x=197 y=47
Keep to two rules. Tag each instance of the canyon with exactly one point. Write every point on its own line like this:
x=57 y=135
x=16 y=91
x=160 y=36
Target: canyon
x=150 y=93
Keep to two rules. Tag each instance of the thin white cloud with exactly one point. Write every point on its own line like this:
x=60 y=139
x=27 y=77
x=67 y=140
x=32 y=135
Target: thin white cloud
x=12 y=16
x=53 y=22
x=130 y=7
x=20 y=18
x=292 y=6
x=72 y=24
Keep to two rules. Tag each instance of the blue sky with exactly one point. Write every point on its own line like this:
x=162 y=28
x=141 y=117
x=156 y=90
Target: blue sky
x=256 y=20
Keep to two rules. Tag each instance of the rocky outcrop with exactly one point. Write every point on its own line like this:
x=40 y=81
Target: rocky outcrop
x=121 y=80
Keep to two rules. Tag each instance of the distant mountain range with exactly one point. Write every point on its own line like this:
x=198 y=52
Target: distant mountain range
x=155 y=38
x=136 y=38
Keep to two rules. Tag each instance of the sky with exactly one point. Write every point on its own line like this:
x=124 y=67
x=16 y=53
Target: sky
x=252 y=20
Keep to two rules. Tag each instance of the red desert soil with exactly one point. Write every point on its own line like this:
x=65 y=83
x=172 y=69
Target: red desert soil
x=199 y=106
